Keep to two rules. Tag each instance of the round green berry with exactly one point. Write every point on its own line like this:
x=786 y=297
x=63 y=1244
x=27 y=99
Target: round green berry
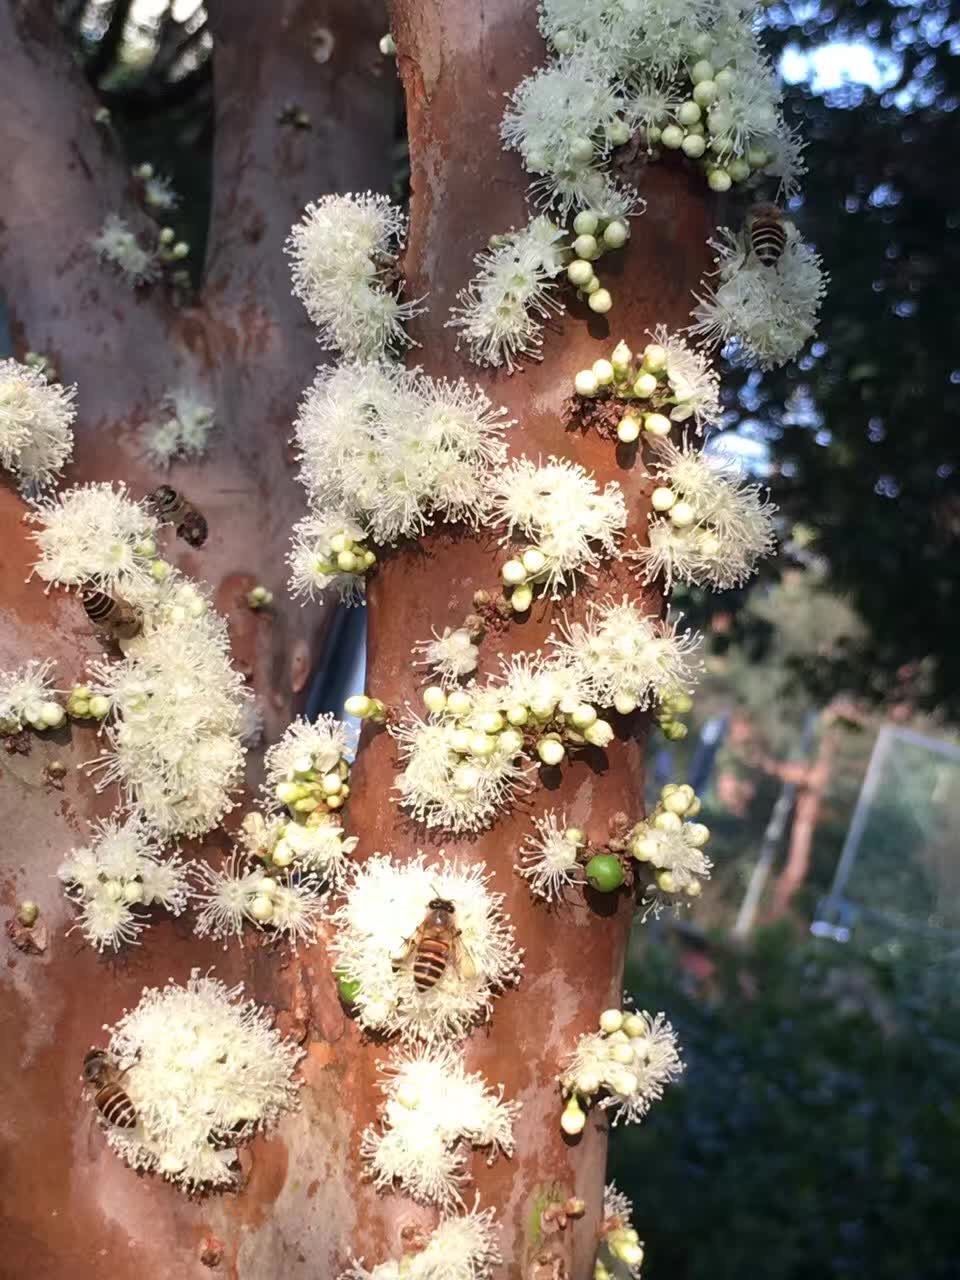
x=604 y=873
x=348 y=988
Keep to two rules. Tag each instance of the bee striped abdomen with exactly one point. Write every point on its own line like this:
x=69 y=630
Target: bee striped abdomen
x=97 y=605
x=115 y=1106
x=768 y=236
x=193 y=529
x=431 y=961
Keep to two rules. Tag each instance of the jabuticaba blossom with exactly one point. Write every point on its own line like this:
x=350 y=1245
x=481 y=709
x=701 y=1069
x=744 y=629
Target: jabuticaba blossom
x=620 y=1245
x=118 y=246
x=569 y=523
x=766 y=313
x=710 y=527
x=28 y=698
x=628 y=1061
x=241 y=892
x=376 y=938
x=671 y=844
x=113 y=879
x=433 y=1114
x=393 y=450
x=462 y=1247
x=344 y=253
x=181 y=429
x=204 y=1071
x=36 y=425
x=549 y=858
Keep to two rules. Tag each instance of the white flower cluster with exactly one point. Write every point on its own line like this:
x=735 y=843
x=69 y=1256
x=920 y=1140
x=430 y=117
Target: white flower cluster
x=627 y=658
x=630 y=1060
x=307 y=769
x=182 y=431
x=96 y=535
x=241 y=892
x=693 y=77
x=620 y=1245
x=26 y=698
x=316 y=844
x=709 y=528
x=669 y=381
x=328 y=550
x=565 y=119
x=468 y=760
x=766 y=312
x=178 y=716
x=463 y=1247
x=502 y=311
x=549 y=859
x=204 y=1072
x=344 y=253
x=122 y=869
x=392 y=450
x=434 y=1112
x=450 y=656
x=380 y=926
x=117 y=245
x=569 y=524
x=672 y=844
x=36 y=425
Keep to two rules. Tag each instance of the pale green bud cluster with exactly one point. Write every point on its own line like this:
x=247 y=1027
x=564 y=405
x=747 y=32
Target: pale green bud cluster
x=678 y=804
x=41 y=715
x=624 y=1245
x=594 y=236
x=344 y=556
x=83 y=704
x=701 y=128
x=672 y=706
x=615 y=1062
x=308 y=790
x=259 y=598
x=626 y=376
x=521 y=574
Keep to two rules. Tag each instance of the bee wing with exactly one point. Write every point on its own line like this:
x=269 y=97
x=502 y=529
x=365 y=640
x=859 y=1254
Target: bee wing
x=407 y=948
x=466 y=965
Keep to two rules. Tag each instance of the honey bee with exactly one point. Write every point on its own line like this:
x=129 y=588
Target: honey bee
x=436 y=942
x=110 y=1098
x=114 y=615
x=170 y=505
x=767 y=228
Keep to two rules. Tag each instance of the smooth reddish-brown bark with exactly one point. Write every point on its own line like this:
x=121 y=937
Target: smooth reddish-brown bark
x=73 y=1208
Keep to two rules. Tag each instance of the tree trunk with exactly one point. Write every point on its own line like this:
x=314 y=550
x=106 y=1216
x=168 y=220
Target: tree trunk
x=305 y=1211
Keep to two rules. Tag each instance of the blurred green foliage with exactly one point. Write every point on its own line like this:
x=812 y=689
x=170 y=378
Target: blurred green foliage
x=816 y=1130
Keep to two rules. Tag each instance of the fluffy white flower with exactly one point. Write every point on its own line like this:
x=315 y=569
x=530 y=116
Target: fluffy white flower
x=24 y=694
x=767 y=313
x=377 y=935
x=96 y=534
x=713 y=528
x=393 y=449
x=117 y=245
x=174 y=737
x=204 y=1071
x=450 y=656
x=158 y=193
x=502 y=311
x=434 y=1112
x=630 y=1066
x=626 y=658
x=558 y=508
x=121 y=870
x=444 y=785
x=620 y=1247
x=344 y=253
x=318 y=745
x=560 y=119
x=462 y=1247
x=313 y=561
x=182 y=431
x=36 y=425
x=548 y=860
x=694 y=385
x=317 y=844
x=629 y=35
x=239 y=891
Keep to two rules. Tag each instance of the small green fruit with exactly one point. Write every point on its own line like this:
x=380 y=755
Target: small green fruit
x=604 y=873
x=348 y=988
